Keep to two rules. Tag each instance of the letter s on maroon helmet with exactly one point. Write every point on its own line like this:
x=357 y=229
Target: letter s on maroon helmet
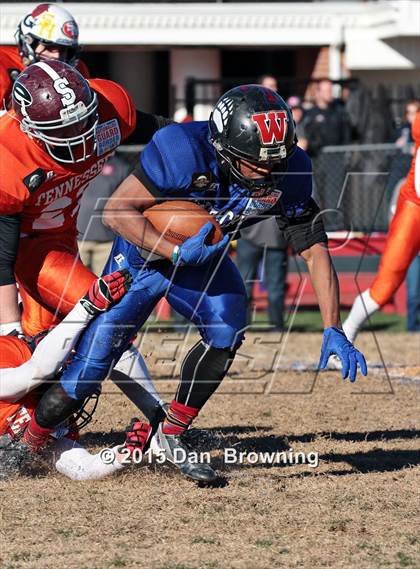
x=55 y=105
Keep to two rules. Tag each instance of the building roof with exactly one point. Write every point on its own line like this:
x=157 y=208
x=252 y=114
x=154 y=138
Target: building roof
x=365 y=28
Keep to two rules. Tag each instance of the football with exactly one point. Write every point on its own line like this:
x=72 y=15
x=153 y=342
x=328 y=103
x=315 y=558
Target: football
x=179 y=220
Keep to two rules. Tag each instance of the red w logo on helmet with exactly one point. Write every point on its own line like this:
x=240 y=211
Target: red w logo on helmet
x=272 y=126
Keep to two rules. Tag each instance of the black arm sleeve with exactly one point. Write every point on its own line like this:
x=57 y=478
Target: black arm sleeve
x=304 y=229
x=9 y=241
x=141 y=175
x=146 y=126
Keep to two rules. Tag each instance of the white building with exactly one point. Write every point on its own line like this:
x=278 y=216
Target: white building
x=152 y=48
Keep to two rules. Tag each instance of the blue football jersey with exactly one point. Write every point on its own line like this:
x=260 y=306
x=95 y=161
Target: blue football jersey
x=180 y=162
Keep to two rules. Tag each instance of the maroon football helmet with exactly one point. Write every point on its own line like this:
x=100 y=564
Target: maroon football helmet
x=55 y=105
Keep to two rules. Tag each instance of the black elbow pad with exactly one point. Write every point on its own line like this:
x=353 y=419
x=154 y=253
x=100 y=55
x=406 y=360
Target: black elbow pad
x=9 y=242
x=303 y=230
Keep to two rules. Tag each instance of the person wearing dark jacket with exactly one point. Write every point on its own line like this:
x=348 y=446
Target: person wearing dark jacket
x=264 y=242
x=326 y=123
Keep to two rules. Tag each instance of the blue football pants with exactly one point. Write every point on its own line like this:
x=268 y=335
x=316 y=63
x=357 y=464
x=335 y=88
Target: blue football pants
x=212 y=296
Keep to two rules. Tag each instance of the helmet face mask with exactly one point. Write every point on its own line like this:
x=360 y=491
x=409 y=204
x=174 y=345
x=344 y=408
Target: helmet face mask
x=85 y=414
x=253 y=124
x=261 y=183
x=71 y=141
x=51 y=26
x=56 y=106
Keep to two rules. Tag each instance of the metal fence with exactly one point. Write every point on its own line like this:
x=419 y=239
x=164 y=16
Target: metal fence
x=354 y=185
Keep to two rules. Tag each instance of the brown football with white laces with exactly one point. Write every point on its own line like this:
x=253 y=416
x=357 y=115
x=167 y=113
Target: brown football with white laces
x=179 y=220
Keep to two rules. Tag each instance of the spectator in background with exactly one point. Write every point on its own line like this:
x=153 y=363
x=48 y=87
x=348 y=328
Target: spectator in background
x=264 y=242
x=268 y=81
x=326 y=123
x=404 y=132
x=95 y=240
x=298 y=112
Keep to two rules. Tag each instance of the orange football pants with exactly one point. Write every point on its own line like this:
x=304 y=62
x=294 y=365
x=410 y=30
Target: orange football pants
x=51 y=279
x=13 y=353
x=402 y=245
x=15 y=416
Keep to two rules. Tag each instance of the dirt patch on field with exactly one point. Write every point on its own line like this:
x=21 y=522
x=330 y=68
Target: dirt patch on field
x=357 y=508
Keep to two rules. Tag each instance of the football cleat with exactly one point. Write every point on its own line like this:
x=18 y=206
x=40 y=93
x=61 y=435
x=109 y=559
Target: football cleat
x=175 y=451
x=15 y=456
x=137 y=435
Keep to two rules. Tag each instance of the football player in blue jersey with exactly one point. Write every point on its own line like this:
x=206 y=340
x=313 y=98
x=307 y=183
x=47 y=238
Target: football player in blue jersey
x=242 y=165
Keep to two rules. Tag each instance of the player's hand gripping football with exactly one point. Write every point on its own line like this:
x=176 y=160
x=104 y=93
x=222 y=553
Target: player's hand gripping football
x=106 y=291
x=195 y=251
x=335 y=342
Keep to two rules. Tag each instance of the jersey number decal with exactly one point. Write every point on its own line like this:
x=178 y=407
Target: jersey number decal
x=53 y=216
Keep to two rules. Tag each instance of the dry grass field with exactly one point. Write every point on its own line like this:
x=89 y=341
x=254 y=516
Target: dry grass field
x=358 y=508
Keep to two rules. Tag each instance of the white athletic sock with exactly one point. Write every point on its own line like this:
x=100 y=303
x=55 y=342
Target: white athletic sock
x=10 y=327
x=363 y=307
x=132 y=376
x=49 y=355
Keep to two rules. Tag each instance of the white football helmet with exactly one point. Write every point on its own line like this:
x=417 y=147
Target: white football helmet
x=51 y=26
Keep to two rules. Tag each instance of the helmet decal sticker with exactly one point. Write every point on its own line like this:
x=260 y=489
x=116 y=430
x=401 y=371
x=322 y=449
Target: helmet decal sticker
x=61 y=86
x=29 y=21
x=272 y=126
x=22 y=96
x=70 y=29
x=46 y=25
x=221 y=113
x=39 y=10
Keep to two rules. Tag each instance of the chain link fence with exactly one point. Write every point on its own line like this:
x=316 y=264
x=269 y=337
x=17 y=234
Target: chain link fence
x=354 y=185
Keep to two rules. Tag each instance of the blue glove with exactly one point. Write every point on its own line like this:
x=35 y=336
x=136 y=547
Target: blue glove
x=194 y=250
x=335 y=342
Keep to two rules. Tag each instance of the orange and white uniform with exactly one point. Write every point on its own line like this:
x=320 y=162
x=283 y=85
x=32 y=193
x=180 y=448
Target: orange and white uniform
x=14 y=415
x=68 y=456
x=11 y=65
x=22 y=371
x=22 y=374
x=402 y=245
x=47 y=195
x=403 y=242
